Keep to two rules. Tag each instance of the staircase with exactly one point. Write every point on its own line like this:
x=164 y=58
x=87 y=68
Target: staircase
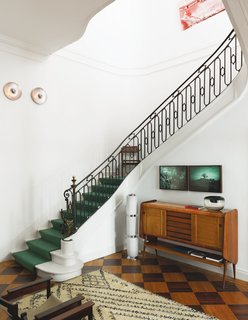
x=41 y=251
x=84 y=198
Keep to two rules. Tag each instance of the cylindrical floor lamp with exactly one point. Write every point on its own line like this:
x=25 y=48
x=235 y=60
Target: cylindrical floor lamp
x=131 y=226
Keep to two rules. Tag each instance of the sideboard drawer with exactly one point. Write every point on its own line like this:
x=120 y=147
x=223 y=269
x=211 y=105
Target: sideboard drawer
x=178 y=226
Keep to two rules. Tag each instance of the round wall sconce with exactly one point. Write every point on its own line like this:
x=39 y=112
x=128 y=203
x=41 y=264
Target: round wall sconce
x=39 y=95
x=12 y=91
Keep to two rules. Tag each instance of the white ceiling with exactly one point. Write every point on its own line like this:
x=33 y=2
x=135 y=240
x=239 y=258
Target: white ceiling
x=47 y=25
x=127 y=34
x=143 y=33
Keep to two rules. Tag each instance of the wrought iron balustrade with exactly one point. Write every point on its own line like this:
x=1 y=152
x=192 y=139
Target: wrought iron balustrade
x=189 y=99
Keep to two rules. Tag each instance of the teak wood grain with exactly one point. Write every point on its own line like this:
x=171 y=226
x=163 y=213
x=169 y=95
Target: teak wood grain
x=205 y=230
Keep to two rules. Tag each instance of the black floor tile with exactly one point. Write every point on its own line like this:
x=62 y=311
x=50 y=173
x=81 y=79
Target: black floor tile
x=195 y=276
x=149 y=261
x=170 y=268
x=228 y=286
x=24 y=278
x=196 y=307
x=12 y=270
x=179 y=287
x=3 y=287
x=87 y=269
x=153 y=277
x=112 y=262
x=131 y=269
x=209 y=298
x=240 y=311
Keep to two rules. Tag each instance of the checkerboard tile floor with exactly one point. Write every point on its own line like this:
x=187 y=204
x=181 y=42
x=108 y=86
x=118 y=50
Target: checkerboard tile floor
x=191 y=286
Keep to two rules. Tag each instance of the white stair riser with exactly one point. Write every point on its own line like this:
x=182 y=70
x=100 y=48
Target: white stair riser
x=64 y=261
x=59 y=277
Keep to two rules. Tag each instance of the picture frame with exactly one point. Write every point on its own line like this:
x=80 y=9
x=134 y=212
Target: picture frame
x=173 y=177
x=205 y=178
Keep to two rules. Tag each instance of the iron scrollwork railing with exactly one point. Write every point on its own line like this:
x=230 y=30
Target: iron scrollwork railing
x=189 y=99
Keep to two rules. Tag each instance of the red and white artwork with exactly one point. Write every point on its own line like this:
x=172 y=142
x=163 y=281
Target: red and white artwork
x=195 y=11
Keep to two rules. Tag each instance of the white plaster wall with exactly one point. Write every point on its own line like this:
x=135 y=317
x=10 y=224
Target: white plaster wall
x=87 y=114
x=90 y=109
x=223 y=141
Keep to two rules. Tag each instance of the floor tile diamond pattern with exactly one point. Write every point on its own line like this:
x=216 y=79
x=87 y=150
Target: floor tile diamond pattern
x=191 y=286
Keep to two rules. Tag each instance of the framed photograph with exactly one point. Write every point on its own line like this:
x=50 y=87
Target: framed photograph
x=205 y=178
x=173 y=177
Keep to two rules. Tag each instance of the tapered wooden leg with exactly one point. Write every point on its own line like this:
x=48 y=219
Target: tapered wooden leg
x=234 y=271
x=224 y=274
x=143 y=253
x=156 y=251
x=90 y=316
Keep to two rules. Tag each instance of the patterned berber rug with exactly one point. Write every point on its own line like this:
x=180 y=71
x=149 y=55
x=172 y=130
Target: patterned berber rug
x=116 y=299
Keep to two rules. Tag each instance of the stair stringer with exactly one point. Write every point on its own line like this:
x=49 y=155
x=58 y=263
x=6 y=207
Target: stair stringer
x=104 y=232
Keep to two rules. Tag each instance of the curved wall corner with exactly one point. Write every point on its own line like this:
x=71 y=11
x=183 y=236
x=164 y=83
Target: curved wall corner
x=238 y=15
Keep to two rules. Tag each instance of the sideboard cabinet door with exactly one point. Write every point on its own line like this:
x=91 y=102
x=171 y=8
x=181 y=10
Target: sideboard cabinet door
x=154 y=222
x=208 y=231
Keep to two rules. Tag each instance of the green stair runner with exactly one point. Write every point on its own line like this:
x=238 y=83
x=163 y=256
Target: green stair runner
x=42 y=247
x=52 y=235
x=57 y=224
x=94 y=199
x=39 y=249
x=28 y=259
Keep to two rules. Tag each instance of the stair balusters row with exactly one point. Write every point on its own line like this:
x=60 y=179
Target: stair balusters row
x=189 y=99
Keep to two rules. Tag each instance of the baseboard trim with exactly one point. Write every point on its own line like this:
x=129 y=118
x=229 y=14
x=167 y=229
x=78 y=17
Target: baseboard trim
x=241 y=274
x=101 y=253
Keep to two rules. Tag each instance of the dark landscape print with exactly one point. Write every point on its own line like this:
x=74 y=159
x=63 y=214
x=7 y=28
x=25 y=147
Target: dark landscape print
x=173 y=178
x=205 y=178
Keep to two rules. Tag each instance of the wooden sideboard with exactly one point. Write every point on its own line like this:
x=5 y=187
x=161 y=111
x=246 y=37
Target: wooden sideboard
x=185 y=230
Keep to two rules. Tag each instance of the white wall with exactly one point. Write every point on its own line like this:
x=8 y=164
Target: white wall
x=91 y=107
x=87 y=114
x=222 y=141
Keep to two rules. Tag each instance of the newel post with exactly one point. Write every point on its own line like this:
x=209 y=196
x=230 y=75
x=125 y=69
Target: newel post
x=74 y=200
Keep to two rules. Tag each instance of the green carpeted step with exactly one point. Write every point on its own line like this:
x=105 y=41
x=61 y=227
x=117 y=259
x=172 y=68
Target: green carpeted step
x=97 y=197
x=83 y=217
x=111 y=181
x=106 y=189
x=82 y=214
x=28 y=259
x=42 y=247
x=57 y=224
x=82 y=220
x=87 y=206
x=51 y=235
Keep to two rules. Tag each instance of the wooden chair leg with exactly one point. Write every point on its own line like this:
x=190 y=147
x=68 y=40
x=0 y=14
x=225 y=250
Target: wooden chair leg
x=234 y=270
x=143 y=253
x=90 y=316
x=224 y=274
